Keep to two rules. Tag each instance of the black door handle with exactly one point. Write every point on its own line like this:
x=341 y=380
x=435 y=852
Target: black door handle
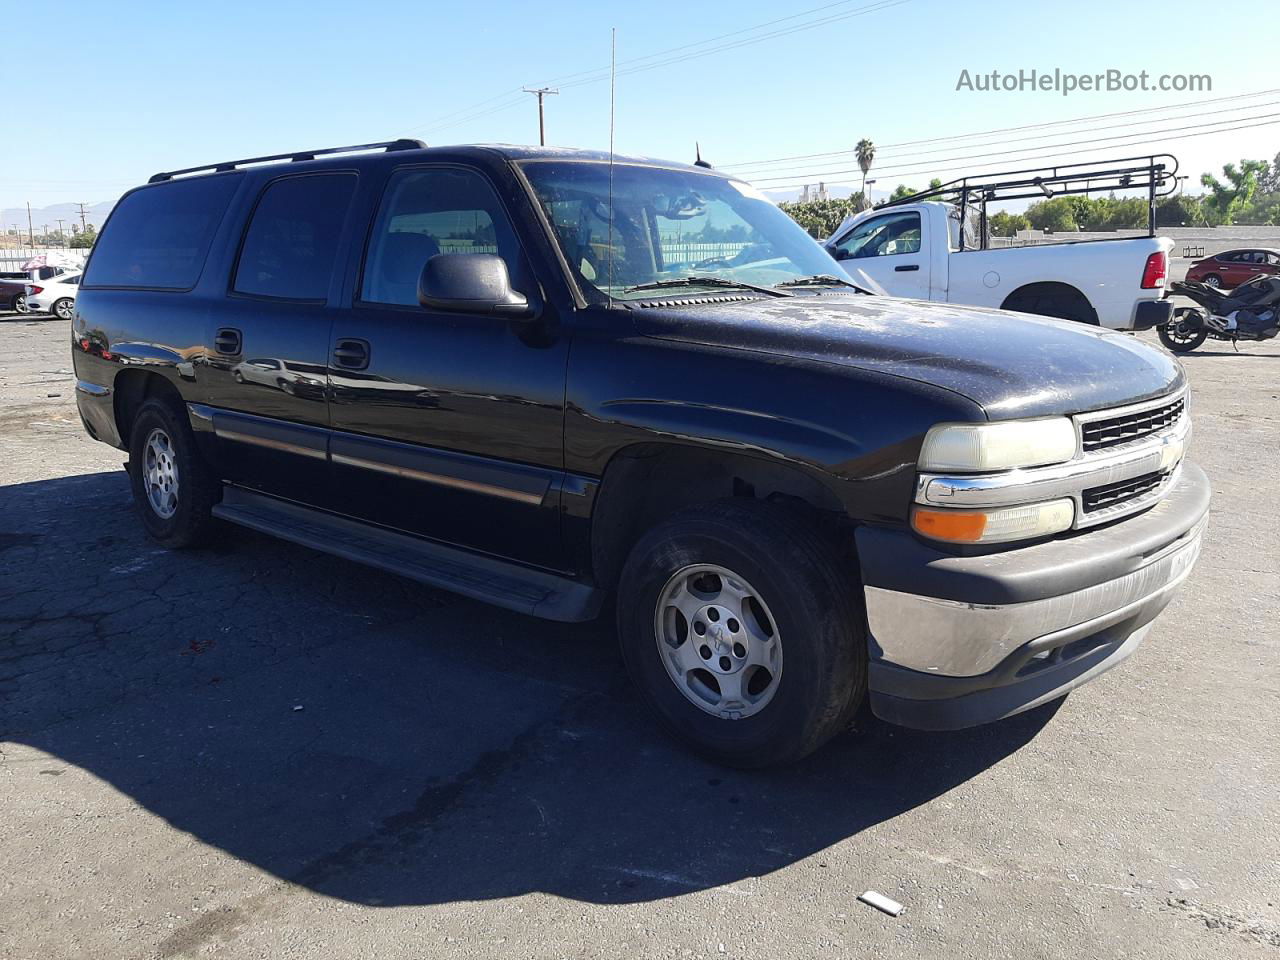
x=227 y=341
x=351 y=354
x=907 y=268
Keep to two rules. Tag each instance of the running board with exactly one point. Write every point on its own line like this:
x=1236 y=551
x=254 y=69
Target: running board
x=499 y=582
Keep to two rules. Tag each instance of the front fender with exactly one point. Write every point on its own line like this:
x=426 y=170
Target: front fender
x=859 y=431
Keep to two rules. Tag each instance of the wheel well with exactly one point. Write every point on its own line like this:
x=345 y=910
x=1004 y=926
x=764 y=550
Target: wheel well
x=132 y=388
x=1052 y=299
x=646 y=483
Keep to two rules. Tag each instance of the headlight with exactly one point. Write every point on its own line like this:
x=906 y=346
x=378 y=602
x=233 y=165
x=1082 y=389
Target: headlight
x=996 y=525
x=1002 y=445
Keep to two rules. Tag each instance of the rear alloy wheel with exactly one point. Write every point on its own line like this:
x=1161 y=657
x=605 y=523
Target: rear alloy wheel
x=741 y=626
x=20 y=303
x=1184 y=332
x=64 y=309
x=173 y=488
x=1213 y=280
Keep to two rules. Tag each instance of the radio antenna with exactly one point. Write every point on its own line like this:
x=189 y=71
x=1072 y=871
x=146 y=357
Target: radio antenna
x=613 y=75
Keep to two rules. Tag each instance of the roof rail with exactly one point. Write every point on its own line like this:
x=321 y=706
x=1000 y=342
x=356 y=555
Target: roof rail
x=387 y=145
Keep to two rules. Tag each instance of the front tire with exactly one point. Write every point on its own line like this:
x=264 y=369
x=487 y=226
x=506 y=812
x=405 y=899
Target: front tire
x=20 y=303
x=742 y=627
x=173 y=488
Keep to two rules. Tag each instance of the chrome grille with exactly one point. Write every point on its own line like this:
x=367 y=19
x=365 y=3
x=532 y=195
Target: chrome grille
x=1126 y=428
x=1110 y=494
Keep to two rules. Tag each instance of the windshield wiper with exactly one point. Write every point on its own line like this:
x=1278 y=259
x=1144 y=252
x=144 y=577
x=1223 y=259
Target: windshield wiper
x=705 y=282
x=823 y=280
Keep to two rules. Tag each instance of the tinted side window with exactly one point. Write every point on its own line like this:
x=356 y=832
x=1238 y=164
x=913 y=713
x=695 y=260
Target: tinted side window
x=292 y=240
x=159 y=236
x=886 y=236
x=425 y=212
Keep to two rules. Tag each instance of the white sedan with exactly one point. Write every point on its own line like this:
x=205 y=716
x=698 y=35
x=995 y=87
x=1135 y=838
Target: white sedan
x=57 y=295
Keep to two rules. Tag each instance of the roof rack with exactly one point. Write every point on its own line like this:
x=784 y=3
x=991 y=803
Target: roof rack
x=387 y=145
x=1157 y=174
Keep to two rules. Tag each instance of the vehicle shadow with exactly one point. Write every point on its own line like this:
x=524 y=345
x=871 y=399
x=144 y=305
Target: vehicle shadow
x=381 y=743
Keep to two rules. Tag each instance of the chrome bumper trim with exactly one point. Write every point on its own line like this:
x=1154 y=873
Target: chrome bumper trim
x=952 y=638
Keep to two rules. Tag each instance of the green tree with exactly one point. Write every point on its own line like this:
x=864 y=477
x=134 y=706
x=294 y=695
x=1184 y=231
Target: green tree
x=820 y=218
x=1226 y=199
x=84 y=239
x=1180 y=210
x=1003 y=224
x=1056 y=214
x=866 y=153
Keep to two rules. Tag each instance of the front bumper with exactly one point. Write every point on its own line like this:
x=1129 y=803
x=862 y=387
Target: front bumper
x=961 y=640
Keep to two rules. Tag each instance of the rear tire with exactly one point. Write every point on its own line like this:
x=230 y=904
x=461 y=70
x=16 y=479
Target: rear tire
x=1213 y=280
x=64 y=308
x=804 y=678
x=173 y=488
x=1178 y=336
x=1053 y=300
x=20 y=303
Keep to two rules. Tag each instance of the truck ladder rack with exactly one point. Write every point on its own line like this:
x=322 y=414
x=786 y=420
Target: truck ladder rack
x=1157 y=174
x=388 y=145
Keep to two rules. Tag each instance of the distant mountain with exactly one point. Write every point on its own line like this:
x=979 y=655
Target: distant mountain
x=94 y=213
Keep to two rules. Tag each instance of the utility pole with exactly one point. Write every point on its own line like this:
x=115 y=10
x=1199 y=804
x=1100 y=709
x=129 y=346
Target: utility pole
x=82 y=225
x=62 y=237
x=541 y=92
x=31 y=231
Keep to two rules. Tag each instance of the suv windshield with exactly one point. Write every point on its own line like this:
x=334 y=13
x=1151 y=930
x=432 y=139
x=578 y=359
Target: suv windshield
x=669 y=225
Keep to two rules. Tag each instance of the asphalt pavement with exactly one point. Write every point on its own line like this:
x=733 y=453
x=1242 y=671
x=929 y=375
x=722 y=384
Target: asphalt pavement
x=254 y=750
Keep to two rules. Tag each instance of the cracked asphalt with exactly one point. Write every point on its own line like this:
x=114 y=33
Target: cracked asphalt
x=254 y=750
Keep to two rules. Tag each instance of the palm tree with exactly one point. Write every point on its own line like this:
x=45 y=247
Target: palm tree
x=866 y=152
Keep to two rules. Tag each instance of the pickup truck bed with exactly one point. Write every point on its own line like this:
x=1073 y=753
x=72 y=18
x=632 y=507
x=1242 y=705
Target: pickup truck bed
x=912 y=250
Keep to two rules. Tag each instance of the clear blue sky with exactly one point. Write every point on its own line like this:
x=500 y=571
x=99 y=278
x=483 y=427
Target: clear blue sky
x=141 y=86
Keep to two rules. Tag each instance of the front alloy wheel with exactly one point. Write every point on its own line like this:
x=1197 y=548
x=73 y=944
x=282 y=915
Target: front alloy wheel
x=705 y=601
x=718 y=641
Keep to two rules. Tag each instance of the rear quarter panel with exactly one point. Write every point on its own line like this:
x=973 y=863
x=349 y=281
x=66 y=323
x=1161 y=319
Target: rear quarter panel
x=1107 y=272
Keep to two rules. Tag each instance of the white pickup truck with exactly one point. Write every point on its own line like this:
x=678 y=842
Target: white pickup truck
x=914 y=250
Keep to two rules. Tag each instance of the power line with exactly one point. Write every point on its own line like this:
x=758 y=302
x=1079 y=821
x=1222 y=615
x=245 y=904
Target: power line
x=877 y=7
x=801 y=170
x=1043 y=146
x=665 y=58
x=1048 y=156
x=1018 y=129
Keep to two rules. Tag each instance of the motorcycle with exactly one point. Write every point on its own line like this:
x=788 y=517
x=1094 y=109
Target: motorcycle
x=1249 y=312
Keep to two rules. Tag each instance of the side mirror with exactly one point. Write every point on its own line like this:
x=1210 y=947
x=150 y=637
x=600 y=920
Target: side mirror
x=837 y=253
x=470 y=283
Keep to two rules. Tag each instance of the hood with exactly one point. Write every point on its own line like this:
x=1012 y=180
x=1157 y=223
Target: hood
x=1011 y=364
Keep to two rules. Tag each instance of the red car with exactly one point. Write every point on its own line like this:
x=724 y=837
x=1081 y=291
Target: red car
x=1233 y=267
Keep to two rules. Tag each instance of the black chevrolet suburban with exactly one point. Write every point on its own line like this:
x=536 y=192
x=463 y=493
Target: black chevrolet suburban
x=539 y=377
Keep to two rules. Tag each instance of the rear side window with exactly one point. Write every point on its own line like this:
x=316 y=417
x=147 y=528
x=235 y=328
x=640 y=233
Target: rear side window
x=292 y=240
x=158 y=237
